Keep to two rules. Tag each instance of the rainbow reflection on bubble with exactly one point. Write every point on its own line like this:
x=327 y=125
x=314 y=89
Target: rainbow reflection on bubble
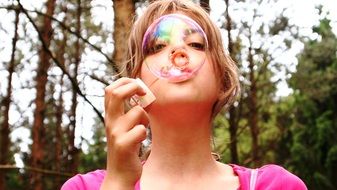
x=174 y=47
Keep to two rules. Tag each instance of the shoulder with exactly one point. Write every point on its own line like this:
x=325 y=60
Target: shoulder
x=91 y=180
x=270 y=177
x=276 y=176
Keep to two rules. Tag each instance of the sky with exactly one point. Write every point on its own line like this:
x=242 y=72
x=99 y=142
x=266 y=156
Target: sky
x=302 y=13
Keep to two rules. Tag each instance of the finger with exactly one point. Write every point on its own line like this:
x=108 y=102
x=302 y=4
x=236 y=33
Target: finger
x=114 y=98
x=133 y=101
x=127 y=140
x=121 y=81
x=133 y=117
x=115 y=85
x=124 y=91
x=128 y=143
x=135 y=136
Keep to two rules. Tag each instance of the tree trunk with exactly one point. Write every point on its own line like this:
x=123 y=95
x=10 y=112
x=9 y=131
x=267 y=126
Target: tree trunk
x=58 y=136
x=233 y=125
x=74 y=152
x=5 y=128
x=252 y=104
x=124 y=13
x=38 y=133
x=59 y=107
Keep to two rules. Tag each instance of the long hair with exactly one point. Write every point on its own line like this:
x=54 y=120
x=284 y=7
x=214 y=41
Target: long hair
x=224 y=67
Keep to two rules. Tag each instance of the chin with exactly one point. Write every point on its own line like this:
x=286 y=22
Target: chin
x=180 y=103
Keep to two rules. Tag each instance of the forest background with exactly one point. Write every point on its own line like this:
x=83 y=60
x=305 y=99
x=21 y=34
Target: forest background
x=56 y=57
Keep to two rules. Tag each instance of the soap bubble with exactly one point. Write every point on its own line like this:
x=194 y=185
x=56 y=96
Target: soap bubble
x=174 y=47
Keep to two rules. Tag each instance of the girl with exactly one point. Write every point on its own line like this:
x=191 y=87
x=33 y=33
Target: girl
x=189 y=92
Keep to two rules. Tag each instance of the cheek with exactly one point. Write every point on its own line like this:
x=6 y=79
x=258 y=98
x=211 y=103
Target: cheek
x=146 y=75
x=209 y=80
x=142 y=70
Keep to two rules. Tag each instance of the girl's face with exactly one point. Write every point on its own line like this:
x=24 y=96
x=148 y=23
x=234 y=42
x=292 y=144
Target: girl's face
x=179 y=43
x=197 y=87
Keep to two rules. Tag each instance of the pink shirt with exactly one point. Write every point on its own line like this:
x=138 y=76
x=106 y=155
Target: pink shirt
x=271 y=177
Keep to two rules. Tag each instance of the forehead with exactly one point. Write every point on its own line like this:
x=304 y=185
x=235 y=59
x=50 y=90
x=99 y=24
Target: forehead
x=172 y=25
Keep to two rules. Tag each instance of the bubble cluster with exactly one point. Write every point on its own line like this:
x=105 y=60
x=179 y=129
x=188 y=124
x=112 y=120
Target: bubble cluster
x=174 y=47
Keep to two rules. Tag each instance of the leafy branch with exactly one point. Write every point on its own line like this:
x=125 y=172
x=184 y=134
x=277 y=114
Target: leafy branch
x=67 y=28
x=34 y=169
x=45 y=47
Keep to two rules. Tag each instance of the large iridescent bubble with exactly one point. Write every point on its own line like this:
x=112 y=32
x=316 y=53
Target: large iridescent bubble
x=174 y=47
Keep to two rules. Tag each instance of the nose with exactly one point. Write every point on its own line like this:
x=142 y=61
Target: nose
x=177 y=43
x=177 y=47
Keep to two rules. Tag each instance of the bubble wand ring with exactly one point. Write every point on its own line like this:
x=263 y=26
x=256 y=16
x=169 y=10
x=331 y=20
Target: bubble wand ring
x=184 y=43
x=154 y=24
x=179 y=59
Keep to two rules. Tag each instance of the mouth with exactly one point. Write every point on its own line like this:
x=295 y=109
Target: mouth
x=179 y=59
x=174 y=74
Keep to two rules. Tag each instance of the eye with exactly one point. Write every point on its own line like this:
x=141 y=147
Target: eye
x=196 y=41
x=156 y=48
x=197 y=45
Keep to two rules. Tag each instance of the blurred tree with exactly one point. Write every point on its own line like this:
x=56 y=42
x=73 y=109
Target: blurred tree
x=315 y=125
x=233 y=110
x=73 y=151
x=124 y=11
x=61 y=110
x=205 y=4
x=297 y=131
x=38 y=128
x=58 y=109
x=5 y=107
x=59 y=160
x=254 y=50
x=95 y=156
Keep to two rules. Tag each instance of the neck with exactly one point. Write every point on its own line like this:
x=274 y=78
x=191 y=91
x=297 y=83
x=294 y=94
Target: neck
x=181 y=142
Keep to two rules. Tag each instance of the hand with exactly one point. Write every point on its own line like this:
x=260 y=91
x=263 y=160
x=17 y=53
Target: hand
x=125 y=132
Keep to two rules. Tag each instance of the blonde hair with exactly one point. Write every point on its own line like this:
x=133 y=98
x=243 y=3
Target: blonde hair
x=224 y=66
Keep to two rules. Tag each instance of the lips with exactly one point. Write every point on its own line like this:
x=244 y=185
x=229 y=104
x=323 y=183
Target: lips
x=174 y=74
x=179 y=59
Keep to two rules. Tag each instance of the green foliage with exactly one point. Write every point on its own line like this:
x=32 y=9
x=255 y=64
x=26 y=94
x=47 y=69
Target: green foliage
x=257 y=72
x=313 y=146
x=95 y=157
x=221 y=138
x=331 y=162
x=15 y=181
x=298 y=131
